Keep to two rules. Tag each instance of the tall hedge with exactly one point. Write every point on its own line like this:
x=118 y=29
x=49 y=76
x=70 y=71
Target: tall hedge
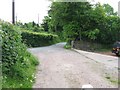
x=16 y=60
x=34 y=39
x=11 y=48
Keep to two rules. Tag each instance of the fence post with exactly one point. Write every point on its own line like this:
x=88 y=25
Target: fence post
x=72 y=44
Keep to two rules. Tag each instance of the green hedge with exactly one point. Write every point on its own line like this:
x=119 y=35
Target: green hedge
x=18 y=65
x=34 y=39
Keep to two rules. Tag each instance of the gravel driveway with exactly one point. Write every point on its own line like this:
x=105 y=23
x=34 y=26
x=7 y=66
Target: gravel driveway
x=61 y=68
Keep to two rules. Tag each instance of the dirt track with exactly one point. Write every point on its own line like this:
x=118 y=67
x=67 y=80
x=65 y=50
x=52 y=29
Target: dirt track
x=61 y=68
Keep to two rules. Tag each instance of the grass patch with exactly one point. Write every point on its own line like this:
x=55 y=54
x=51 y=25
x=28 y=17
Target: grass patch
x=67 y=47
x=24 y=76
x=92 y=46
x=113 y=81
x=103 y=50
x=118 y=82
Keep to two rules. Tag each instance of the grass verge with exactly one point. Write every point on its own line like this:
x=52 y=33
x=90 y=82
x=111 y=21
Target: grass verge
x=67 y=46
x=113 y=81
x=24 y=76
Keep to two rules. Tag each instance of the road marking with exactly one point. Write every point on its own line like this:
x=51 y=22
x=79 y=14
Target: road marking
x=87 y=86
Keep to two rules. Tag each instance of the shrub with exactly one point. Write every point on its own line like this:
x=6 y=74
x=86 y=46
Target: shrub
x=34 y=39
x=17 y=63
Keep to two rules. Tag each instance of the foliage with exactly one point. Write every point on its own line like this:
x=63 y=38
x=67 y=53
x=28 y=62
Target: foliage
x=34 y=39
x=16 y=60
x=109 y=10
x=67 y=46
x=92 y=34
x=31 y=26
x=63 y=15
x=71 y=30
x=45 y=24
x=84 y=21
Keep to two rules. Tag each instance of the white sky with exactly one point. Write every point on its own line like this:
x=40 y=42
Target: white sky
x=28 y=10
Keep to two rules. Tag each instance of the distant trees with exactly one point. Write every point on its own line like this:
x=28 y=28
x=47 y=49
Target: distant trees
x=45 y=23
x=31 y=26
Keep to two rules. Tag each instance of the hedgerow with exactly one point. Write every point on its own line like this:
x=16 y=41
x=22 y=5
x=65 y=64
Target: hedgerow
x=35 y=39
x=18 y=65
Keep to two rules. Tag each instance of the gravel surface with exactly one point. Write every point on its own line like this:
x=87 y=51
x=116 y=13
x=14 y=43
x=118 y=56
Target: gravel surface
x=61 y=68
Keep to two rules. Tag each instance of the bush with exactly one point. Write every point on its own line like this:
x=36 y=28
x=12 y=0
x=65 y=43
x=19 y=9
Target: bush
x=34 y=39
x=17 y=63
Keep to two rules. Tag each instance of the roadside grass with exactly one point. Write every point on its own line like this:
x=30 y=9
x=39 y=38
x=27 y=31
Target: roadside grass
x=113 y=81
x=118 y=82
x=104 y=50
x=67 y=46
x=24 y=77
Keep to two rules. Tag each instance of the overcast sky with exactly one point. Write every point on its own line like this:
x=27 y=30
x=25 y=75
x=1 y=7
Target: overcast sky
x=28 y=10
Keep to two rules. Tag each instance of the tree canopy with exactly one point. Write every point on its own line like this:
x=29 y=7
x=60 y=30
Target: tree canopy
x=83 y=21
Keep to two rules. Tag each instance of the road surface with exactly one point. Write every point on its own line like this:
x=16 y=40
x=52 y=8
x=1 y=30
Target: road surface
x=62 y=68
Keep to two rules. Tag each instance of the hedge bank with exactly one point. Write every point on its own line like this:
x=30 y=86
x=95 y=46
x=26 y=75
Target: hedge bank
x=18 y=65
x=35 y=39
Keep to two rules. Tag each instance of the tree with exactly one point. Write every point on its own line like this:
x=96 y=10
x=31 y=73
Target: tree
x=109 y=10
x=45 y=24
x=83 y=21
x=70 y=13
